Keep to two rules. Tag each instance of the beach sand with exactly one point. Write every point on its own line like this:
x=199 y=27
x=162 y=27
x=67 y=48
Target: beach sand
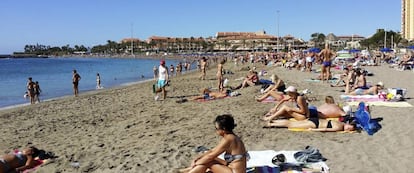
x=124 y=130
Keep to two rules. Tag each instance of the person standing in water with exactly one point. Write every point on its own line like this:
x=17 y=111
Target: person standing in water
x=75 y=80
x=37 y=91
x=98 y=81
x=31 y=90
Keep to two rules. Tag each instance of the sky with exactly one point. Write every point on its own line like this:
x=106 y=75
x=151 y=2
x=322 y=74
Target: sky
x=93 y=22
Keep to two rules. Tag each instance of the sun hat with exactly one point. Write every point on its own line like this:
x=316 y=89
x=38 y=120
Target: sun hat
x=380 y=84
x=291 y=89
x=162 y=62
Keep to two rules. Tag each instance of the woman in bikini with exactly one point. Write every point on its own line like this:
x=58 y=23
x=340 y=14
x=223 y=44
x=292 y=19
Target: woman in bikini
x=235 y=154
x=301 y=111
x=314 y=124
x=276 y=91
x=18 y=162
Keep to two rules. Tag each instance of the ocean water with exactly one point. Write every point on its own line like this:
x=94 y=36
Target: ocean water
x=55 y=75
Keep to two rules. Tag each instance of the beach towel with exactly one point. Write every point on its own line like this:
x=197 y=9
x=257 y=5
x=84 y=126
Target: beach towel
x=262 y=162
x=269 y=99
x=383 y=103
x=38 y=163
x=308 y=130
x=365 y=98
x=318 y=80
x=364 y=121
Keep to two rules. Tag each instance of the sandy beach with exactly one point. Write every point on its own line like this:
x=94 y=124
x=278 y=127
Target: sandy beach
x=124 y=130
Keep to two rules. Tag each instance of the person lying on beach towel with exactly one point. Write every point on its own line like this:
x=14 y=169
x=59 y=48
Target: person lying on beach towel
x=235 y=153
x=313 y=124
x=371 y=91
x=207 y=94
x=20 y=161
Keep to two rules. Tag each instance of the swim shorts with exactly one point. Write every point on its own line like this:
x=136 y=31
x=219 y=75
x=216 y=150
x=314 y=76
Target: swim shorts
x=161 y=83
x=326 y=63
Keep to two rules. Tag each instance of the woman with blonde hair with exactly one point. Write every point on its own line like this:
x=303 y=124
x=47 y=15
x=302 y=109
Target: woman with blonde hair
x=276 y=90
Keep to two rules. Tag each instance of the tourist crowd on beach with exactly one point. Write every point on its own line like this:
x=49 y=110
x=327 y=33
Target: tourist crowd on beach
x=292 y=107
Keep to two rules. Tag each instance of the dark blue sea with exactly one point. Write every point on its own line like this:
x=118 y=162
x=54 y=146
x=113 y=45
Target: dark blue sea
x=55 y=75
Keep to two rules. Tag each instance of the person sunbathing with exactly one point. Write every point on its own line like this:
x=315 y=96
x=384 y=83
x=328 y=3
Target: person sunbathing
x=313 y=124
x=276 y=90
x=235 y=154
x=208 y=94
x=330 y=109
x=361 y=81
x=343 y=78
x=371 y=91
x=20 y=161
x=301 y=111
x=251 y=79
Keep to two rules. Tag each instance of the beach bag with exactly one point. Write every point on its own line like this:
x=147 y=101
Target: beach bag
x=397 y=94
x=310 y=154
x=364 y=121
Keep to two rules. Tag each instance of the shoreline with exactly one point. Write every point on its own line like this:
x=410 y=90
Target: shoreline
x=87 y=92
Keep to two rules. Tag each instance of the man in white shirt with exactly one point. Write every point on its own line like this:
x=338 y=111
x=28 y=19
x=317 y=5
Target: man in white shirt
x=162 y=80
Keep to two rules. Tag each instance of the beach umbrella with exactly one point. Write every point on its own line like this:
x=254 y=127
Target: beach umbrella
x=315 y=50
x=342 y=51
x=386 y=49
x=354 y=50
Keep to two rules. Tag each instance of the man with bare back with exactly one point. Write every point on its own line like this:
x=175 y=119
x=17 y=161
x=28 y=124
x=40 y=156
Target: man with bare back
x=326 y=55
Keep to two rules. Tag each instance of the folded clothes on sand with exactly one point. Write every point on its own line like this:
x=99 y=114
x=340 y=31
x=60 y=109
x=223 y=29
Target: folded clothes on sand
x=261 y=161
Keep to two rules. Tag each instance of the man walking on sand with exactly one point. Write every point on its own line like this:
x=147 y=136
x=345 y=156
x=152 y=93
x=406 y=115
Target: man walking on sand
x=162 y=80
x=326 y=55
x=75 y=80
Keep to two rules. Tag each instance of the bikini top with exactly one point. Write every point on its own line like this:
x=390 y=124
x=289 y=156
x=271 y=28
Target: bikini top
x=22 y=159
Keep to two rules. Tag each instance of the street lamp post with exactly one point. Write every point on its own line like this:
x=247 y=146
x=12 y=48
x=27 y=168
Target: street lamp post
x=277 y=37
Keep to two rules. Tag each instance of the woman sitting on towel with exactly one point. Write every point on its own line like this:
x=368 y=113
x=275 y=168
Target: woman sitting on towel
x=19 y=162
x=208 y=94
x=313 y=124
x=300 y=112
x=276 y=90
x=235 y=154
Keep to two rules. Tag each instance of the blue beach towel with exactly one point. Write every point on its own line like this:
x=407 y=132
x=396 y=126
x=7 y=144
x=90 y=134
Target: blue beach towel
x=364 y=121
